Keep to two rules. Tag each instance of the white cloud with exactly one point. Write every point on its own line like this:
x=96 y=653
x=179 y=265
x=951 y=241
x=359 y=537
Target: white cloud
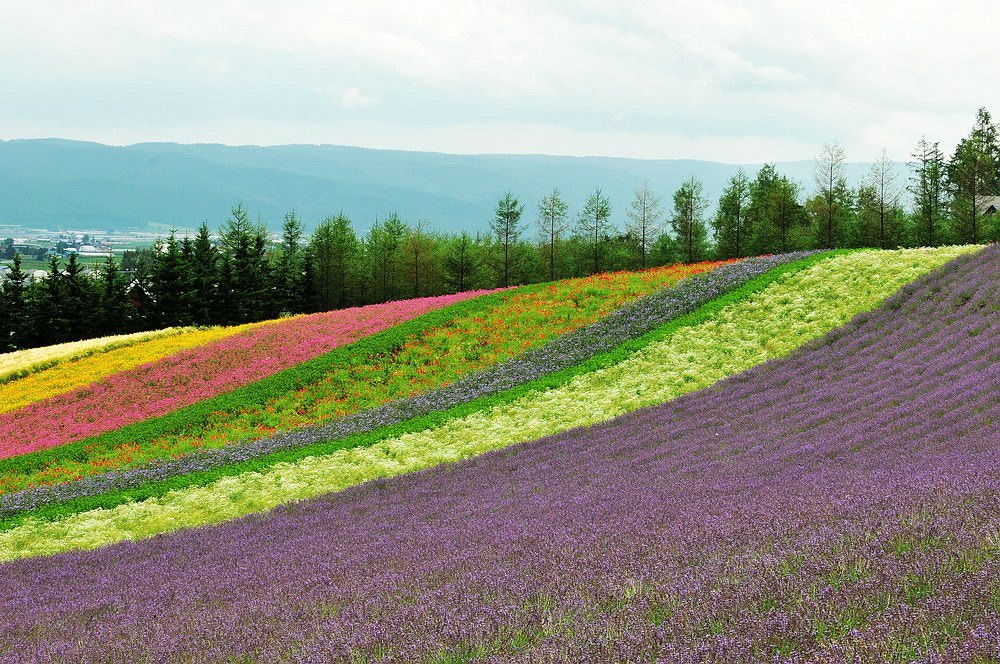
x=694 y=78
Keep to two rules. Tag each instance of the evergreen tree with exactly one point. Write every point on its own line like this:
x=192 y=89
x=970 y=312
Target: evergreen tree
x=422 y=269
x=112 y=313
x=204 y=277
x=245 y=251
x=46 y=306
x=169 y=286
x=731 y=224
x=460 y=262
x=688 y=223
x=506 y=227
x=973 y=174
x=764 y=235
x=334 y=249
x=14 y=331
x=384 y=245
x=76 y=308
x=288 y=269
x=928 y=186
x=594 y=225
x=644 y=223
x=788 y=216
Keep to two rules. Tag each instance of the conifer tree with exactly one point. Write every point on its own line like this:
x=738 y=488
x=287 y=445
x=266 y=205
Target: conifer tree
x=731 y=224
x=688 y=223
x=594 y=225
x=644 y=220
x=552 y=215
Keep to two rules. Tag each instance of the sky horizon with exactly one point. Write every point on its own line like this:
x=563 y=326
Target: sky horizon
x=737 y=83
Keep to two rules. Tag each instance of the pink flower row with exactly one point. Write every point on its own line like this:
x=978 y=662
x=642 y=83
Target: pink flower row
x=198 y=373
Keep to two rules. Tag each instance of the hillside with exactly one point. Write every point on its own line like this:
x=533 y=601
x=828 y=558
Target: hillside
x=808 y=440
x=71 y=184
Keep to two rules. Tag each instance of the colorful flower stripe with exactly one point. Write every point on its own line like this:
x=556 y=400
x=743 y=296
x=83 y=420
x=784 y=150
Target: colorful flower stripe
x=627 y=323
x=182 y=378
x=21 y=363
x=64 y=378
x=527 y=319
x=840 y=505
x=801 y=307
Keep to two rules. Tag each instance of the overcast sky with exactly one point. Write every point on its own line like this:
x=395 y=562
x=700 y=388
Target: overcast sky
x=725 y=81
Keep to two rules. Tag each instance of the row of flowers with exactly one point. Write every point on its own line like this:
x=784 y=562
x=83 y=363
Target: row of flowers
x=624 y=324
x=20 y=363
x=356 y=381
x=69 y=378
x=159 y=376
x=798 y=307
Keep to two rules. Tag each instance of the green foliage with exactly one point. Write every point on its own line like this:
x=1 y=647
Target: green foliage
x=688 y=223
x=594 y=226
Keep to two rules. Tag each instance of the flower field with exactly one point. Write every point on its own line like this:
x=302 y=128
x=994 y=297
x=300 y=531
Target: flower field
x=357 y=379
x=792 y=458
x=201 y=365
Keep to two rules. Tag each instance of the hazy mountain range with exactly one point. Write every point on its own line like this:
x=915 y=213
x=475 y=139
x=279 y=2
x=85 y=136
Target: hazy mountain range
x=60 y=184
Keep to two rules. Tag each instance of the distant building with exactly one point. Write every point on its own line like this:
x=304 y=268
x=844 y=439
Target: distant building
x=989 y=204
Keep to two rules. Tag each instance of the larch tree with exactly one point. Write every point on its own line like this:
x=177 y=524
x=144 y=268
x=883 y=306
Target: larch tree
x=831 y=203
x=552 y=216
x=593 y=226
x=506 y=227
x=645 y=220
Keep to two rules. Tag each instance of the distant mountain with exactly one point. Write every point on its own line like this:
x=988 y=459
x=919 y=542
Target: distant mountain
x=61 y=184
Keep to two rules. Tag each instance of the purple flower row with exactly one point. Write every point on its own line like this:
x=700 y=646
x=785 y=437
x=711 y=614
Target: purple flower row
x=628 y=322
x=840 y=504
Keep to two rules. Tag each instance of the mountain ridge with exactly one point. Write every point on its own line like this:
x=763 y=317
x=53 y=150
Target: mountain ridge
x=61 y=183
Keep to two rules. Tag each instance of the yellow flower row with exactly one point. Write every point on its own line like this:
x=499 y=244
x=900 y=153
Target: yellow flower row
x=69 y=375
x=23 y=362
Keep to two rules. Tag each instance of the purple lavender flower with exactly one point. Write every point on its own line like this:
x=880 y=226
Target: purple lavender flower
x=839 y=504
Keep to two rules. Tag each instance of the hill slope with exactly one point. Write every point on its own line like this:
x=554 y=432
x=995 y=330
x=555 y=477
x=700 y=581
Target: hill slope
x=71 y=184
x=841 y=503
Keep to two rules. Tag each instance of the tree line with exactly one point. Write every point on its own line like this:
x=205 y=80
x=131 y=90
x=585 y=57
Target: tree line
x=239 y=274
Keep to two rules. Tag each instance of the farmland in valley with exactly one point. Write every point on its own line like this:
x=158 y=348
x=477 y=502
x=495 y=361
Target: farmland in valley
x=792 y=456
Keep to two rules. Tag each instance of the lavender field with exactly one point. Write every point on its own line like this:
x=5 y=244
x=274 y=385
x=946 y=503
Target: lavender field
x=841 y=504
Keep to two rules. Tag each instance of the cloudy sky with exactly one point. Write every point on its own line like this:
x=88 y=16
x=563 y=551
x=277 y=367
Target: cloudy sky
x=726 y=81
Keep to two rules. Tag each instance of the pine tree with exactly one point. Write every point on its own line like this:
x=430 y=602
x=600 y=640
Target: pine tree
x=168 y=285
x=112 y=313
x=204 y=277
x=288 y=269
x=460 y=262
x=14 y=331
x=334 y=250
